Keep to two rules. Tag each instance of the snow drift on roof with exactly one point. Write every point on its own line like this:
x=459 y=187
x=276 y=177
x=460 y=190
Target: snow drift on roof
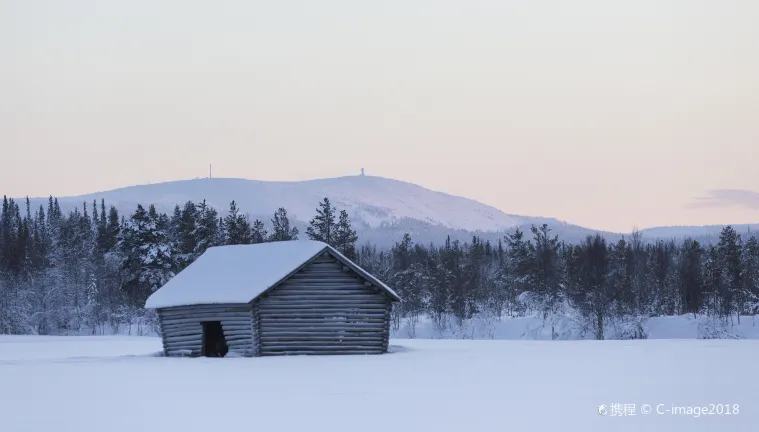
x=238 y=274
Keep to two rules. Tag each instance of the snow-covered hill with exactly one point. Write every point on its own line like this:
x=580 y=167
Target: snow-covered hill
x=371 y=201
x=381 y=209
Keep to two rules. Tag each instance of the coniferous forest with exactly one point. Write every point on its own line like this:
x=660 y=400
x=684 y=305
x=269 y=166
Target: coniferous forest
x=91 y=270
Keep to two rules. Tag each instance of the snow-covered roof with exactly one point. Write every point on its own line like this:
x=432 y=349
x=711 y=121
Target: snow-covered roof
x=240 y=273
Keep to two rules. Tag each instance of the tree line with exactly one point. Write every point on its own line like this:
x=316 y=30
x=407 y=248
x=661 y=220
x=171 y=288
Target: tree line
x=92 y=269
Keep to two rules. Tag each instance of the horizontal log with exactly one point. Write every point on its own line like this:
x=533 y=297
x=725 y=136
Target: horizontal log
x=333 y=352
x=219 y=310
x=242 y=308
x=236 y=332
x=176 y=353
x=328 y=289
x=345 y=324
x=327 y=300
x=183 y=347
x=321 y=324
x=272 y=347
x=327 y=307
x=246 y=332
x=233 y=315
x=358 y=316
x=337 y=320
x=321 y=339
x=321 y=270
x=171 y=338
x=309 y=332
x=210 y=316
x=236 y=326
x=198 y=320
x=184 y=332
x=326 y=326
x=329 y=294
x=187 y=324
x=303 y=317
x=320 y=343
x=267 y=326
x=331 y=290
x=207 y=318
x=326 y=330
x=204 y=305
x=320 y=283
x=178 y=330
x=240 y=348
x=323 y=304
x=322 y=278
x=196 y=347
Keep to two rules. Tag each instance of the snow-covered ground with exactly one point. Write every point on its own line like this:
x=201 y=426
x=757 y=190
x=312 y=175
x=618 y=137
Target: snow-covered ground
x=118 y=384
x=535 y=328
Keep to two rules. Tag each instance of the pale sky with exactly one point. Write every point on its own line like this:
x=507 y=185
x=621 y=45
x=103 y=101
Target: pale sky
x=607 y=114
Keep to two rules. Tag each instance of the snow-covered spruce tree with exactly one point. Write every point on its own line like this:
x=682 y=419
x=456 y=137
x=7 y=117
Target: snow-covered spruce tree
x=750 y=265
x=663 y=276
x=345 y=237
x=520 y=260
x=588 y=287
x=237 y=229
x=712 y=277
x=546 y=274
x=147 y=254
x=207 y=231
x=408 y=278
x=281 y=230
x=258 y=232
x=183 y=225
x=690 y=276
x=322 y=226
x=107 y=264
x=729 y=251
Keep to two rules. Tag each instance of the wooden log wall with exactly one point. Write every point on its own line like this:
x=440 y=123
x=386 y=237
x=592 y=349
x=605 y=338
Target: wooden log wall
x=326 y=308
x=182 y=331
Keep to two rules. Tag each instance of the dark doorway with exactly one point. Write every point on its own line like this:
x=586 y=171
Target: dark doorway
x=214 y=343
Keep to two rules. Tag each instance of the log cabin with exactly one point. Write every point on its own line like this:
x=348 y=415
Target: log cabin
x=278 y=298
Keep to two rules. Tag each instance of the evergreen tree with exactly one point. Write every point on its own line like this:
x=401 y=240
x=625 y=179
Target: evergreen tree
x=345 y=237
x=147 y=254
x=750 y=275
x=322 y=226
x=546 y=272
x=237 y=229
x=690 y=276
x=729 y=250
x=589 y=291
x=183 y=228
x=258 y=232
x=281 y=230
x=207 y=231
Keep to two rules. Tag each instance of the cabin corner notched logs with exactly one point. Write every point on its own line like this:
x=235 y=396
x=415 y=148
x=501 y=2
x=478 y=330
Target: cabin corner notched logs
x=326 y=307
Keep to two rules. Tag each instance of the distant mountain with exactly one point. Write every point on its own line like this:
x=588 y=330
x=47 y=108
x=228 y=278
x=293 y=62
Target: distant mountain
x=381 y=209
x=705 y=233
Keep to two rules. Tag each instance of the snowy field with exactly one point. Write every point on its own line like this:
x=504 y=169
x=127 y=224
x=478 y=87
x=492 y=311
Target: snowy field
x=118 y=384
x=534 y=328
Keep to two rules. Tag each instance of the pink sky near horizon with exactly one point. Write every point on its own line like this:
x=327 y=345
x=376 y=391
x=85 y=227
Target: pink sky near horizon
x=606 y=114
